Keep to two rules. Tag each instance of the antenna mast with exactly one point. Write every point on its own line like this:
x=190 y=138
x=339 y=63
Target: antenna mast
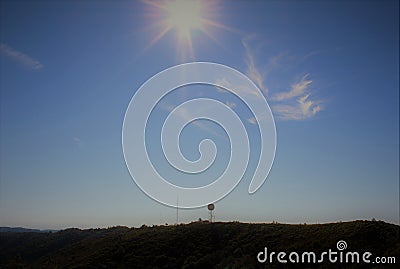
x=177 y=209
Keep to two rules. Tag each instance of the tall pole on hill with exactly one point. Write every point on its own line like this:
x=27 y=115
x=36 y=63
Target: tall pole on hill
x=177 y=209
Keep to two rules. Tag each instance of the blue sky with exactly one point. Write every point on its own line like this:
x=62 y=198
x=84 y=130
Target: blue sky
x=329 y=71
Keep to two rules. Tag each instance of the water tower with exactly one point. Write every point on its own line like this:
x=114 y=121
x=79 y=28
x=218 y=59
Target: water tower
x=210 y=209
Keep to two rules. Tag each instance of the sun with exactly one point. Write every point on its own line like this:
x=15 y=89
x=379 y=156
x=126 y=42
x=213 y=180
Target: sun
x=185 y=18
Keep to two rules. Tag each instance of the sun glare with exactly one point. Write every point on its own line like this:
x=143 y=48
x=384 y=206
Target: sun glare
x=184 y=18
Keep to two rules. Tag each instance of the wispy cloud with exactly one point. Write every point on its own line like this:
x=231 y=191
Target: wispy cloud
x=252 y=71
x=295 y=104
x=252 y=120
x=231 y=105
x=302 y=108
x=240 y=89
x=20 y=57
x=297 y=89
x=77 y=141
x=309 y=107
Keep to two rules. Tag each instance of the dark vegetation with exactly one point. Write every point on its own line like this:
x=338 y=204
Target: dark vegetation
x=195 y=245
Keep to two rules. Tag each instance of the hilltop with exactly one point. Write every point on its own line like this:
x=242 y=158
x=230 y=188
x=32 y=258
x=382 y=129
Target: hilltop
x=194 y=245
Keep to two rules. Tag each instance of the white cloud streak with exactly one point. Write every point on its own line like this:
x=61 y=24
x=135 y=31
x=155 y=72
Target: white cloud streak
x=252 y=71
x=20 y=57
x=301 y=109
x=231 y=105
x=294 y=104
x=296 y=89
x=240 y=89
x=252 y=120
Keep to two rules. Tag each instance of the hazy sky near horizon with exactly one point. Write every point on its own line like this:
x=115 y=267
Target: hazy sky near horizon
x=68 y=70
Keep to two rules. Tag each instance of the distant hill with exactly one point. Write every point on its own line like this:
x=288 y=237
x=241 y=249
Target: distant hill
x=23 y=230
x=195 y=245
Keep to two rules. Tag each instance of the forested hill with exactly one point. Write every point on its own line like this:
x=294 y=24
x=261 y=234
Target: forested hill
x=194 y=245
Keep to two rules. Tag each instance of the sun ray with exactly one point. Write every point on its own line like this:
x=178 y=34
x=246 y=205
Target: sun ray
x=158 y=36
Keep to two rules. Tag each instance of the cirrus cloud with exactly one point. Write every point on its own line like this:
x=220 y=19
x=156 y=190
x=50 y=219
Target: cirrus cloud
x=297 y=103
x=20 y=57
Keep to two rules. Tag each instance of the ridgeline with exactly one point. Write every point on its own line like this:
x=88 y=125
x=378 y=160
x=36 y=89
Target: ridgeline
x=196 y=245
